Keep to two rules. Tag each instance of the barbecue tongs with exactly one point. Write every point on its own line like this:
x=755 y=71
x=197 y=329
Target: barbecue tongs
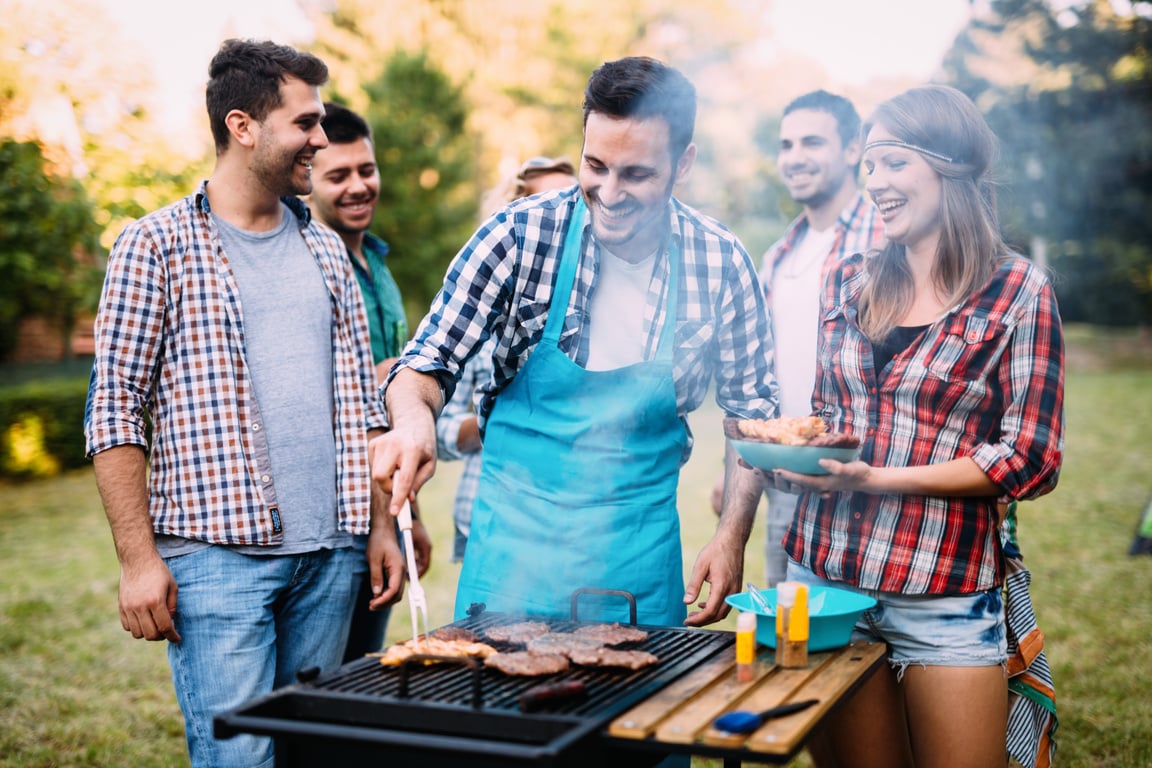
x=416 y=598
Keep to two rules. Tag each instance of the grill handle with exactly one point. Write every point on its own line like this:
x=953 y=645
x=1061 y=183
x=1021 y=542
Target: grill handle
x=610 y=592
x=423 y=658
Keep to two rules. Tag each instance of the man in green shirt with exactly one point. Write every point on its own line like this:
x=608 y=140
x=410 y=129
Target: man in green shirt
x=345 y=188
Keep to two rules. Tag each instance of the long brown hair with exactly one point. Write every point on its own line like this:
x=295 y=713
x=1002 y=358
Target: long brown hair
x=958 y=144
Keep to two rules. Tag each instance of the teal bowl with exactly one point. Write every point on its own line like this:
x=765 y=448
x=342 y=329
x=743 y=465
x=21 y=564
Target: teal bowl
x=804 y=459
x=829 y=625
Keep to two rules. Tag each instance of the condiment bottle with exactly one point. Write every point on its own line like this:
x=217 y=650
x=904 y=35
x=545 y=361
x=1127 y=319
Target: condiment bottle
x=745 y=646
x=791 y=625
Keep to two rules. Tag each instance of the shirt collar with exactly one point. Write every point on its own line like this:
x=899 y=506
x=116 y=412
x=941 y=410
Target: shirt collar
x=295 y=204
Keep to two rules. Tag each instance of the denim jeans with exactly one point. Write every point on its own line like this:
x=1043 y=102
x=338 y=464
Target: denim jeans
x=248 y=624
x=928 y=630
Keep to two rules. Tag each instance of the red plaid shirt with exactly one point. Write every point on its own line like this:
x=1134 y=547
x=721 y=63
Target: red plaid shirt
x=986 y=381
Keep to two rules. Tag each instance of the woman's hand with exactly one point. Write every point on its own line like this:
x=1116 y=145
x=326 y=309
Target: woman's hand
x=842 y=476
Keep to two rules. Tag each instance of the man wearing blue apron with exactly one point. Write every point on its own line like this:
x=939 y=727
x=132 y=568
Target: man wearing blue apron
x=615 y=308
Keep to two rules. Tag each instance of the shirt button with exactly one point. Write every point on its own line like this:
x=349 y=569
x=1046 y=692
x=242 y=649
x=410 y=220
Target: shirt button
x=255 y=427
x=265 y=479
x=856 y=515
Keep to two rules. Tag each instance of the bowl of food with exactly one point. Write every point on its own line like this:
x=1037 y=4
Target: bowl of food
x=832 y=613
x=795 y=444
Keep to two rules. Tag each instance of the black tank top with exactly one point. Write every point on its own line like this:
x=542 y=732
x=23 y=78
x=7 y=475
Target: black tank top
x=897 y=340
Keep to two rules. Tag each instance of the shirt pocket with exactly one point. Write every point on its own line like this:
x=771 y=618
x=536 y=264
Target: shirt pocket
x=530 y=320
x=967 y=349
x=693 y=336
x=830 y=344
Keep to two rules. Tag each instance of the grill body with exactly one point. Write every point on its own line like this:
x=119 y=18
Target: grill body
x=458 y=714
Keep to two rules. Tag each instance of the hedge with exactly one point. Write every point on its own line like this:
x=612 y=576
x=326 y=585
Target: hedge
x=42 y=428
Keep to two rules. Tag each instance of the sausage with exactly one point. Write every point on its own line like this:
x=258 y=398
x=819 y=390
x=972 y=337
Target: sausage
x=551 y=694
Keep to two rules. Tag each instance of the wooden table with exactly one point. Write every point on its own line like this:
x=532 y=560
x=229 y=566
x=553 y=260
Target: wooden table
x=679 y=717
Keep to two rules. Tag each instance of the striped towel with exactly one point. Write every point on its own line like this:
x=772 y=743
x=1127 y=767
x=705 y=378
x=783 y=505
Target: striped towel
x=1031 y=692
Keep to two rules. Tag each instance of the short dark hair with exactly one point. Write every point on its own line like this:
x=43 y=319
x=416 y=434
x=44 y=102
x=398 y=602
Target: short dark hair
x=343 y=126
x=641 y=87
x=847 y=119
x=246 y=75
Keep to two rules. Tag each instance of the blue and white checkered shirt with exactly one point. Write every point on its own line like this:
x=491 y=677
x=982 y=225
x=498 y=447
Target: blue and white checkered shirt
x=501 y=284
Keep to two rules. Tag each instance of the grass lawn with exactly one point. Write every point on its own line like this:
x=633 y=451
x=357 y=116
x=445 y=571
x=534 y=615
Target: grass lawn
x=76 y=690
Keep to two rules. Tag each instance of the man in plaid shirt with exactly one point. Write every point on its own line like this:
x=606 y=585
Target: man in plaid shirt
x=614 y=309
x=232 y=326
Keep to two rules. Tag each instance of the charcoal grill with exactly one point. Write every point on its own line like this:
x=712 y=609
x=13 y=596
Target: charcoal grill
x=462 y=713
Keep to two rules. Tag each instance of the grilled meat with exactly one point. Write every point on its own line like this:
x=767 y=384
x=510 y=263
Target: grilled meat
x=527 y=664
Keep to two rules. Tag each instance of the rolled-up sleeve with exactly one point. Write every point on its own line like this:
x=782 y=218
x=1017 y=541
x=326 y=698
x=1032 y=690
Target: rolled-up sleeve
x=1026 y=460
x=745 y=381
x=128 y=336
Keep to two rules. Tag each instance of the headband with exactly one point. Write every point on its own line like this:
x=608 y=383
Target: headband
x=906 y=145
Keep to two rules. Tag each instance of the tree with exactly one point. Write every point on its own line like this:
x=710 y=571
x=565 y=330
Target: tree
x=428 y=194
x=1068 y=89
x=48 y=243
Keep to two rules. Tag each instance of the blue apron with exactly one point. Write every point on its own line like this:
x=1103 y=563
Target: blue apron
x=578 y=483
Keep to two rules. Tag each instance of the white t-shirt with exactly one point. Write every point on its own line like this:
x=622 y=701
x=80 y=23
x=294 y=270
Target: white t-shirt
x=796 y=288
x=616 y=312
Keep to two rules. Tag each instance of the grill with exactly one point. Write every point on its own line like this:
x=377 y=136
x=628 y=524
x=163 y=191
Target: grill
x=461 y=713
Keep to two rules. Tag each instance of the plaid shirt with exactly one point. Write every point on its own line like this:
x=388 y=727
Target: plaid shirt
x=987 y=382
x=170 y=349
x=461 y=406
x=859 y=229
x=501 y=284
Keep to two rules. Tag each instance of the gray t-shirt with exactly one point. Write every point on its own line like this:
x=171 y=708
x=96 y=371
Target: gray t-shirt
x=287 y=317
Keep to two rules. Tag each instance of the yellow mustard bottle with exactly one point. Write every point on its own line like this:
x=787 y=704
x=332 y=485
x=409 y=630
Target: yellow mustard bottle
x=745 y=646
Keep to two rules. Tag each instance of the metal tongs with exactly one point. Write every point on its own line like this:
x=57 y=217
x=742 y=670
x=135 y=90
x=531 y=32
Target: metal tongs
x=416 y=600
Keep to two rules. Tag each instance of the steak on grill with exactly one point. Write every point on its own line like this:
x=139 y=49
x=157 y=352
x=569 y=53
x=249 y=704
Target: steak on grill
x=563 y=643
x=455 y=634
x=516 y=634
x=611 y=657
x=527 y=664
x=612 y=634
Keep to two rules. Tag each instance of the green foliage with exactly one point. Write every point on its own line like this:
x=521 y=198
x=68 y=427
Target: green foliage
x=41 y=428
x=48 y=240
x=1073 y=113
x=427 y=187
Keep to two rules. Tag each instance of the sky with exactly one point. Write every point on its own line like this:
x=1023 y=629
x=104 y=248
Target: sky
x=898 y=37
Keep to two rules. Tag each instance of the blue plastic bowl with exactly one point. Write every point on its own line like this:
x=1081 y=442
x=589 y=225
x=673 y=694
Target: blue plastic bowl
x=804 y=459
x=830 y=627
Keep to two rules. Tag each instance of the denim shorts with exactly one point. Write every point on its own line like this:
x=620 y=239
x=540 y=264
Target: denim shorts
x=928 y=630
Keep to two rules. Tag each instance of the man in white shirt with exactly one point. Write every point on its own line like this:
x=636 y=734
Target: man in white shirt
x=819 y=162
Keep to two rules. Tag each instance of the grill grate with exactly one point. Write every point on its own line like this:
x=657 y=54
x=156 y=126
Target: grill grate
x=679 y=651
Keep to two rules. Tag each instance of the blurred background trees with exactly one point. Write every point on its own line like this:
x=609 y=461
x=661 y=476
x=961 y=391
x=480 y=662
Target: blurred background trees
x=1068 y=89
x=459 y=92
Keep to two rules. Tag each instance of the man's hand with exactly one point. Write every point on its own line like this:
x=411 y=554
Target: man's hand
x=148 y=600
x=404 y=458
x=386 y=567
x=721 y=564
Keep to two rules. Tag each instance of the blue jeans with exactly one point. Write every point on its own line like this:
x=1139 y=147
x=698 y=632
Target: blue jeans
x=248 y=624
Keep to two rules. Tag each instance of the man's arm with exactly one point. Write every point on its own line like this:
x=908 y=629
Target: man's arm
x=721 y=561
x=147 y=589
x=404 y=458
